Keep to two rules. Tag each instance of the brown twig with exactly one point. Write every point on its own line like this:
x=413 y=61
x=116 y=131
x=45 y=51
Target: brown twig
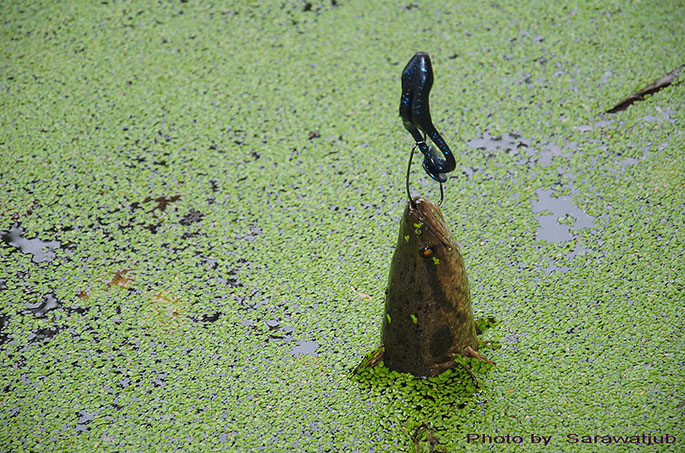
x=663 y=82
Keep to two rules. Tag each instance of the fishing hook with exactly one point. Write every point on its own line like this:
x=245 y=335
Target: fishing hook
x=411 y=156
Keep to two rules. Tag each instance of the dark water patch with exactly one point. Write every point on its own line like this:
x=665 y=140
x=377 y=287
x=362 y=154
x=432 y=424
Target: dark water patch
x=551 y=230
x=599 y=124
x=191 y=234
x=550 y=151
x=4 y=322
x=75 y=309
x=209 y=318
x=662 y=116
x=230 y=279
x=629 y=161
x=152 y=227
x=162 y=203
x=47 y=302
x=42 y=334
x=253 y=301
x=562 y=208
x=278 y=332
x=506 y=141
x=193 y=216
x=42 y=251
x=579 y=250
x=84 y=418
x=231 y=274
x=304 y=348
x=518 y=148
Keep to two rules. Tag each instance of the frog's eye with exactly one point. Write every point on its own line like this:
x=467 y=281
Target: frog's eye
x=427 y=250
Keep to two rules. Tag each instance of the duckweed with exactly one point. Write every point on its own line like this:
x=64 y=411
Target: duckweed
x=206 y=182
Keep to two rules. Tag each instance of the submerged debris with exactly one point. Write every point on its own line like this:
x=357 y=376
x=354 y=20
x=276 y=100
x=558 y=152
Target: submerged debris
x=663 y=82
x=162 y=202
x=121 y=278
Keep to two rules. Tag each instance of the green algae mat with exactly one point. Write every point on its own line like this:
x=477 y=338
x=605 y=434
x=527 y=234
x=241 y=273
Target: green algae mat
x=199 y=204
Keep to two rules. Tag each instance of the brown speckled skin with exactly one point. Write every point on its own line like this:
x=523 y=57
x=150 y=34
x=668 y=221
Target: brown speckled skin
x=435 y=292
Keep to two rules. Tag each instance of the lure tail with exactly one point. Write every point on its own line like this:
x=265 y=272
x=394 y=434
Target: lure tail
x=436 y=166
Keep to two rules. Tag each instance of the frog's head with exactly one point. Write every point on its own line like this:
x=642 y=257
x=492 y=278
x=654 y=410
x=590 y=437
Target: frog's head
x=427 y=230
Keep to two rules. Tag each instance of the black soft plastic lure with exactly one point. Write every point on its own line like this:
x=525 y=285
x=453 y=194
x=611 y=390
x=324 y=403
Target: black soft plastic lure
x=417 y=80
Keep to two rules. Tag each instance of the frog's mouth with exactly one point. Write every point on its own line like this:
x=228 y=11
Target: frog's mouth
x=430 y=215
